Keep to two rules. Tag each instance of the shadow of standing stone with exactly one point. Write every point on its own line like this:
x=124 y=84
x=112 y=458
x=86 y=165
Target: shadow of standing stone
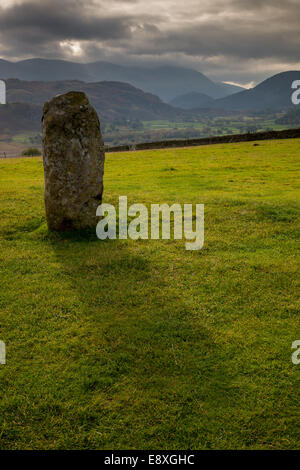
x=73 y=157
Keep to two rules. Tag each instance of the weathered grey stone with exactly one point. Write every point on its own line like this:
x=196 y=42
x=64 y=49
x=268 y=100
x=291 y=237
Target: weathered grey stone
x=73 y=155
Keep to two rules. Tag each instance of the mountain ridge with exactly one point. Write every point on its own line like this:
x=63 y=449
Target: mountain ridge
x=112 y=101
x=274 y=93
x=192 y=100
x=166 y=81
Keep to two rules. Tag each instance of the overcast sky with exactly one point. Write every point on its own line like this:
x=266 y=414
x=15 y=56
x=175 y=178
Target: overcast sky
x=240 y=41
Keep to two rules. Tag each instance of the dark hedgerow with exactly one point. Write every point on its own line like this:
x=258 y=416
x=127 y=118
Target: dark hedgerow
x=31 y=152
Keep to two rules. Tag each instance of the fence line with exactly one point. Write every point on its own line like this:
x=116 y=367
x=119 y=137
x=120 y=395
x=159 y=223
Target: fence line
x=224 y=139
x=9 y=155
x=14 y=155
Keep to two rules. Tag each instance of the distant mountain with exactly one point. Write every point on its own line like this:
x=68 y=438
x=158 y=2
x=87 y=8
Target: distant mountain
x=272 y=94
x=19 y=117
x=112 y=100
x=167 y=82
x=192 y=100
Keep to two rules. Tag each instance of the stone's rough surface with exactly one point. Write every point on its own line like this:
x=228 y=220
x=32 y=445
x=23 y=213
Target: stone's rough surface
x=73 y=155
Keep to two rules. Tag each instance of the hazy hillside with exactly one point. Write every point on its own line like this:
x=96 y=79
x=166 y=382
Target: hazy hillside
x=192 y=100
x=273 y=93
x=19 y=117
x=112 y=100
x=167 y=82
x=120 y=101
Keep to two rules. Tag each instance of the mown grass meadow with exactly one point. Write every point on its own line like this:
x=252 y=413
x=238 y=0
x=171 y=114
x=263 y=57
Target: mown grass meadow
x=144 y=345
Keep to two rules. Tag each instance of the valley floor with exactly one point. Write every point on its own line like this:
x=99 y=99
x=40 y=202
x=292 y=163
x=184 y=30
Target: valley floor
x=128 y=344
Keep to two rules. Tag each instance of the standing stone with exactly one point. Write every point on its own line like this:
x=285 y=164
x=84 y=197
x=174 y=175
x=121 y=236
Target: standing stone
x=73 y=156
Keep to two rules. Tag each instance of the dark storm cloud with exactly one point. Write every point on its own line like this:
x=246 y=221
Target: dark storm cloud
x=209 y=40
x=60 y=20
x=244 y=29
x=250 y=38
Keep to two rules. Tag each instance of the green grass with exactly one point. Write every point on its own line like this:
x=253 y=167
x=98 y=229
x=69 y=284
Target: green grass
x=216 y=124
x=143 y=345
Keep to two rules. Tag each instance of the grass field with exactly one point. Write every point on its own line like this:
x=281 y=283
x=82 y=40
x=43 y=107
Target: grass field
x=220 y=125
x=142 y=344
